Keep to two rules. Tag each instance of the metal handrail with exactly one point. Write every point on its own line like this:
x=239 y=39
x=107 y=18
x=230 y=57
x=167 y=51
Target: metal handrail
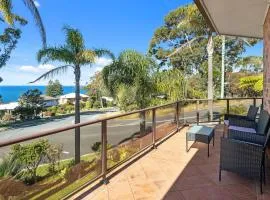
x=82 y=124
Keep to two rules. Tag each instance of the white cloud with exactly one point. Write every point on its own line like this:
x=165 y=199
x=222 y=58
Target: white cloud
x=37 y=4
x=39 y=68
x=102 y=62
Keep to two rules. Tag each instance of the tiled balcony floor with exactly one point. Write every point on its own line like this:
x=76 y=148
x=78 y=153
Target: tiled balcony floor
x=168 y=172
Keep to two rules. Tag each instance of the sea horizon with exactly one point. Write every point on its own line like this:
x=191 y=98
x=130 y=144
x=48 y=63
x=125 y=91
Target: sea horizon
x=11 y=93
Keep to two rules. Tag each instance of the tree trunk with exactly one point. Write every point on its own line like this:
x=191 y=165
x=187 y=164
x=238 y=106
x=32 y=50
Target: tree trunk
x=222 y=68
x=210 y=49
x=77 y=73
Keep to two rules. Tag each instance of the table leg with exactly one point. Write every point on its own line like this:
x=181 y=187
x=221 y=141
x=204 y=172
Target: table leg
x=208 y=149
x=186 y=142
x=213 y=139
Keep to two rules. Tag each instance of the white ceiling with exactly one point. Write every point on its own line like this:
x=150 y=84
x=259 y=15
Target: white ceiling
x=237 y=17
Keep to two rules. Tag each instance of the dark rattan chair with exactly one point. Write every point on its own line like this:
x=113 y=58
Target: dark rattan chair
x=245 y=120
x=245 y=155
x=259 y=127
x=251 y=115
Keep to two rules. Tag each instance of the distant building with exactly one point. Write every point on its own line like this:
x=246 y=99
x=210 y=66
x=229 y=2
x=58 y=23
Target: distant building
x=70 y=98
x=49 y=101
x=9 y=107
x=109 y=99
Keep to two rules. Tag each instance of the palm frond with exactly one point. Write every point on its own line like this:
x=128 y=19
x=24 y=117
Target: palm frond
x=61 y=54
x=86 y=57
x=6 y=10
x=52 y=73
x=74 y=39
x=104 y=52
x=34 y=11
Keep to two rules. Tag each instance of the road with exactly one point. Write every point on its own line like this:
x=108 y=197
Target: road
x=118 y=130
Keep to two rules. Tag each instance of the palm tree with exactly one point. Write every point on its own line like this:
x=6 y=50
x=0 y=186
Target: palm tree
x=74 y=55
x=9 y=17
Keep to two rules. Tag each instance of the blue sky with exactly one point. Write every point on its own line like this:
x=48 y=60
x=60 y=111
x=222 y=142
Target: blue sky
x=115 y=25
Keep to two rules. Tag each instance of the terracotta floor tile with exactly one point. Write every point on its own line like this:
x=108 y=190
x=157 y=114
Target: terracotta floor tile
x=175 y=195
x=185 y=183
x=209 y=193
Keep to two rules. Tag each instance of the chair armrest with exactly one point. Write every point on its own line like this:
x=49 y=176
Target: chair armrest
x=247 y=137
x=227 y=116
x=242 y=123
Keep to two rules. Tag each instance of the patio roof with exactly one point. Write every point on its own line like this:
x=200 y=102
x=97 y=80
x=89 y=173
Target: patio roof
x=235 y=17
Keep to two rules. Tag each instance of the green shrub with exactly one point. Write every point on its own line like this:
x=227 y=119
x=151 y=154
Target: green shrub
x=7 y=117
x=30 y=156
x=237 y=109
x=97 y=104
x=88 y=105
x=53 y=154
x=96 y=147
x=9 y=166
x=114 y=155
x=82 y=105
x=110 y=103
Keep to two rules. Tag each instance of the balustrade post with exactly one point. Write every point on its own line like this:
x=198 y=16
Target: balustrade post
x=228 y=106
x=254 y=102
x=104 y=150
x=177 y=115
x=197 y=112
x=154 y=126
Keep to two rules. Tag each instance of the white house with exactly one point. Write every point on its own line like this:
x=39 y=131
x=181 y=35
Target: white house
x=109 y=99
x=9 y=107
x=70 y=98
x=49 y=101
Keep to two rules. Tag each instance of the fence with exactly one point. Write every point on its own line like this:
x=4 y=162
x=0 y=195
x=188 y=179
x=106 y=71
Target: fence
x=121 y=138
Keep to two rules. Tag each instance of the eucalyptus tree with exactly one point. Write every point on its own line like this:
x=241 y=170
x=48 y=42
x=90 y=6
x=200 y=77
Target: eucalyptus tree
x=6 y=9
x=250 y=64
x=74 y=55
x=186 y=42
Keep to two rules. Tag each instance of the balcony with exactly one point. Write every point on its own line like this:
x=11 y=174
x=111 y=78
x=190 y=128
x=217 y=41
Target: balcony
x=145 y=158
x=169 y=172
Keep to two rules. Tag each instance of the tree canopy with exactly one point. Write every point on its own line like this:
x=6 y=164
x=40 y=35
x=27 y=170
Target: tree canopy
x=131 y=71
x=182 y=40
x=54 y=88
x=8 y=16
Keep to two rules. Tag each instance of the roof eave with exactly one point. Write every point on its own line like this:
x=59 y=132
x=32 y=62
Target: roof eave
x=202 y=8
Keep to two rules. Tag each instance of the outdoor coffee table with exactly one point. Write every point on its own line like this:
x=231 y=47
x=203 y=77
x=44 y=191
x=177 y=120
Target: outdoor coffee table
x=200 y=133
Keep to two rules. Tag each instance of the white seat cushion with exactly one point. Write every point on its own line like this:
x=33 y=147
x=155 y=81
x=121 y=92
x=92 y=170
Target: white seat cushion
x=243 y=129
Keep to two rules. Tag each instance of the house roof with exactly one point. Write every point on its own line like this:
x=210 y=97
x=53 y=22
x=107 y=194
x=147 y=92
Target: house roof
x=72 y=96
x=235 y=17
x=48 y=98
x=9 y=106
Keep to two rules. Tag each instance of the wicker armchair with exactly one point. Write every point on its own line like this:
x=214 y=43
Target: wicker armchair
x=245 y=121
x=260 y=127
x=245 y=155
x=251 y=115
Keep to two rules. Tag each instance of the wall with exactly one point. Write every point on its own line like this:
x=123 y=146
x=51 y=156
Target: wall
x=266 y=62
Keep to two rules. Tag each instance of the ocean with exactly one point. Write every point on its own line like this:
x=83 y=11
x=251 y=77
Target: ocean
x=12 y=93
